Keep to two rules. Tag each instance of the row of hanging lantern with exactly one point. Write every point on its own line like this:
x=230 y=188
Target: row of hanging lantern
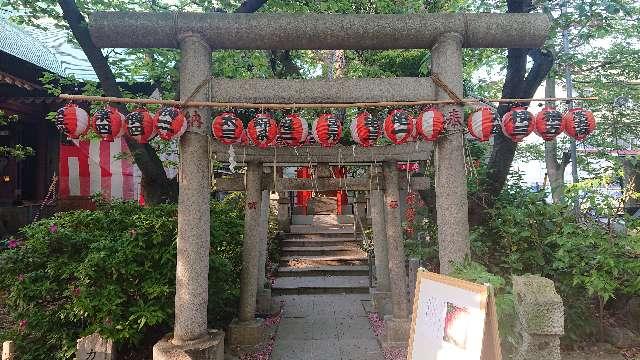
x=263 y=131
x=519 y=122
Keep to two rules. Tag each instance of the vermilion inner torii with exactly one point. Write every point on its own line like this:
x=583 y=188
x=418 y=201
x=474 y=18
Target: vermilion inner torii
x=198 y=34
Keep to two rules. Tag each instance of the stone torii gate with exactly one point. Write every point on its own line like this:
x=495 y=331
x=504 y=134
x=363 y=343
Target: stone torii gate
x=196 y=35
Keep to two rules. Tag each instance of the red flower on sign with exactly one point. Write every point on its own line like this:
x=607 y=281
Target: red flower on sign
x=252 y=205
x=393 y=204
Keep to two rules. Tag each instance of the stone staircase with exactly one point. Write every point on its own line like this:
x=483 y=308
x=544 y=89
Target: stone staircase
x=321 y=255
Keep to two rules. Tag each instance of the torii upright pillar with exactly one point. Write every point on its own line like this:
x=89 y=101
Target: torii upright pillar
x=191 y=339
x=450 y=179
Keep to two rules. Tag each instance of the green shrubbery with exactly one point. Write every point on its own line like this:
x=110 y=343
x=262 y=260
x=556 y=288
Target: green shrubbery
x=589 y=262
x=111 y=271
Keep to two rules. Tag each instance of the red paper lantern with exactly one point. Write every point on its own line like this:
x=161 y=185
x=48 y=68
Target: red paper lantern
x=398 y=126
x=171 y=123
x=72 y=121
x=579 y=123
x=548 y=123
x=482 y=123
x=327 y=130
x=140 y=125
x=365 y=130
x=517 y=123
x=293 y=130
x=430 y=124
x=108 y=123
x=262 y=130
x=227 y=128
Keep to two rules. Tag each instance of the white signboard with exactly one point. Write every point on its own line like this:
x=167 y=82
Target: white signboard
x=449 y=317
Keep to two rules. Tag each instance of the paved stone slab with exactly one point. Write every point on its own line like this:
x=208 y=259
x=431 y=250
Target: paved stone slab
x=331 y=327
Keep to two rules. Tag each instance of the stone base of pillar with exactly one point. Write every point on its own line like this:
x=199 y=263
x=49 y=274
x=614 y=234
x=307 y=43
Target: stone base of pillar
x=210 y=347
x=264 y=304
x=382 y=302
x=396 y=332
x=246 y=334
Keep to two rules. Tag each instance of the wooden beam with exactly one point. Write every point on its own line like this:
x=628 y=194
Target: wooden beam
x=316 y=154
x=294 y=184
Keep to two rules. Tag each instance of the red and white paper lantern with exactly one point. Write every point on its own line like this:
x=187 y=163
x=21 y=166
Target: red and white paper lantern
x=430 y=124
x=140 y=125
x=170 y=123
x=108 y=123
x=72 y=121
x=482 y=123
x=293 y=130
x=327 y=129
x=398 y=126
x=579 y=123
x=365 y=130
x=262 y=130
x=548 y=123
x=517 y=124
x=227 y=128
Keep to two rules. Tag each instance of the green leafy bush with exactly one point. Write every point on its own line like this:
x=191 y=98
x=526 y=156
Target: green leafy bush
x=113 y=271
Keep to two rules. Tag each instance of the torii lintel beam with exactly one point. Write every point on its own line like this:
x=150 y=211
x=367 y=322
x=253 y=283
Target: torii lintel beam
x=317 y=31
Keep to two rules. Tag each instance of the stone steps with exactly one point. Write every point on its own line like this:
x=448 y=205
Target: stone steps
x=321 y=229
x=334 y=270
x=322 y=250
x=323 y=260
x=318 y=242
x=314 y=285
x=324 y=220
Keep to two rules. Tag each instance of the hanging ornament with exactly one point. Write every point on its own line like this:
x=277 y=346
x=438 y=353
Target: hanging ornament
x=548 y=123
x=108 y=123
x=171 y=123
x=365 y=130
x=579 y=123
x=327 y=130
x=517 y=123
x=140 y=125
x=293 y=130
x=262 y=130
x=483 y=123
x=430 y=124
x=72 y=121
x=398 y=126
x=227 y=128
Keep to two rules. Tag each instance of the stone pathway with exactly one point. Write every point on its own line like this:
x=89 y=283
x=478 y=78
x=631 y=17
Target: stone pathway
x=325 y=327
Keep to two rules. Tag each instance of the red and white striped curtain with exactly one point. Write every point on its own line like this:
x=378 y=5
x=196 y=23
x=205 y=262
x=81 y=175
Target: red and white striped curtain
x=91 y=167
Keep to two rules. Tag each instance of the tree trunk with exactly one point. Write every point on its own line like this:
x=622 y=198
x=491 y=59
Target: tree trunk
x=631 y=170
x=518 y=84
x=157 y=187
x=555 y=168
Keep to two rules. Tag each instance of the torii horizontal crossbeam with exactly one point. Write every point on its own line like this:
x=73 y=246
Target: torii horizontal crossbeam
x=317 y=31
x=317 y=154
x=321 y=184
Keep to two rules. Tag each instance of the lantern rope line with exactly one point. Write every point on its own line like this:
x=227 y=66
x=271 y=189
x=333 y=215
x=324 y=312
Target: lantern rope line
x=243 y=105
x=442 y=85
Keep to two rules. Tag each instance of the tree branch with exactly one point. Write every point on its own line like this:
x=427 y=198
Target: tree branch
x=250 y=6
x=145 y=156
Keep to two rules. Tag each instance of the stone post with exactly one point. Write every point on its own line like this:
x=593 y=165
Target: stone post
x=382 y=294
x=360 y=211
x=191 y=339
x=246 y=330
x=284 y=215
x=540 y=314
x=451 y=185
x=95 y=347
x=396 y=327
x=263 y=301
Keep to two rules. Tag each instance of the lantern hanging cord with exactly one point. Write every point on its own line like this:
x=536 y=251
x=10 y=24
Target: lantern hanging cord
x=242 y=105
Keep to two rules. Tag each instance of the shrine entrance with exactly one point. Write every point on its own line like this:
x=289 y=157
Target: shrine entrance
x=196 y=35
